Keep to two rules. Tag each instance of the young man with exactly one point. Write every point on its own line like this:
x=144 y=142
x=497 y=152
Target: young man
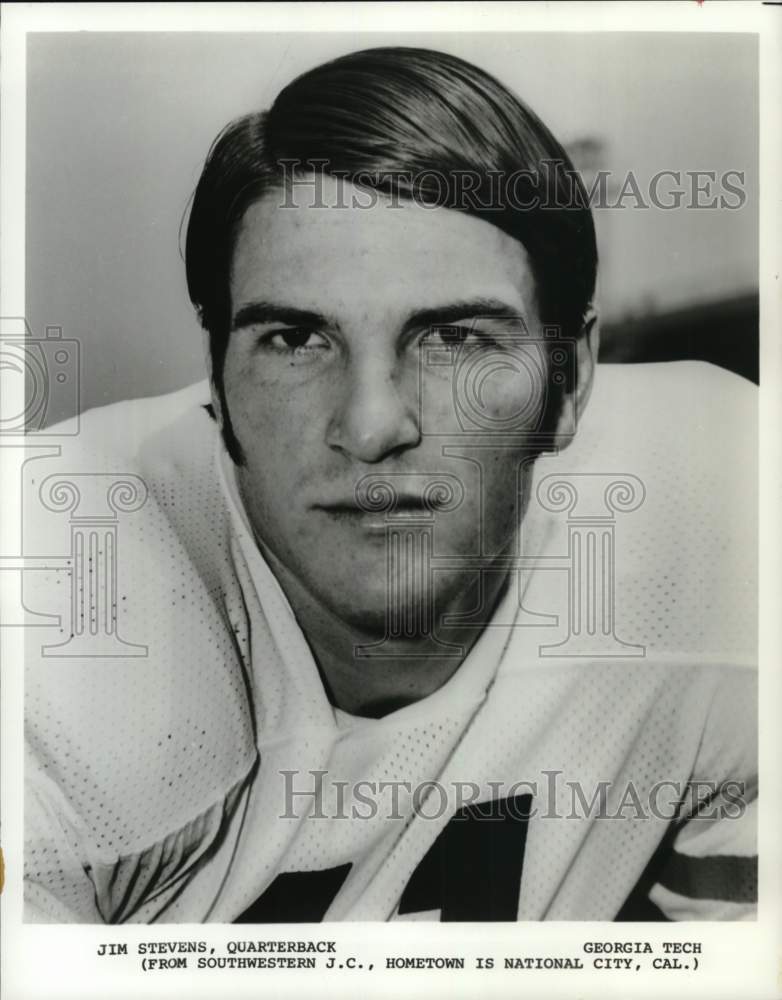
x=405 y=654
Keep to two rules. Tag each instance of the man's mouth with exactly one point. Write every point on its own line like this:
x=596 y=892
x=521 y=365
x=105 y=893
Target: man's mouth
x=376 y=515
x=398 y=502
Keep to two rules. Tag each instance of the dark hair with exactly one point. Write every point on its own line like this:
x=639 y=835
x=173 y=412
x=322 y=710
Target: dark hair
x=397 y=119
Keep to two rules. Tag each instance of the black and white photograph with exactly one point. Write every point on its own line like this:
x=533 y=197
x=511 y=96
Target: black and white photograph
x=385 y=434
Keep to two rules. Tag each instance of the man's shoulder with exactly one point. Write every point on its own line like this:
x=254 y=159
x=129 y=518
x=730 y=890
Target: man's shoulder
x=122 y=429
x=682 y=428
x=143 y=457
x=658 y=493
x=142 y=669
x=684 y=402
x=147 y=463
x=678 y=375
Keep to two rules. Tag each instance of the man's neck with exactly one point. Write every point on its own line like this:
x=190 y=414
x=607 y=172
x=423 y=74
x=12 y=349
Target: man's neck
x=361 y=683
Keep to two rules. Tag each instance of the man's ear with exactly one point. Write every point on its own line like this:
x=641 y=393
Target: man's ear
x=216 y=404
x=575 y=401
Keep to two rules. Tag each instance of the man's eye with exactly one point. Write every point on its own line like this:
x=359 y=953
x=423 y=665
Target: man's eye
x=456 y=335
x=451 y=335
x=294 y=340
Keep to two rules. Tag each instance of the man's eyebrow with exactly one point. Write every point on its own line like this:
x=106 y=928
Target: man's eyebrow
x=268 y=312
x=257 y=313
x=465 y=309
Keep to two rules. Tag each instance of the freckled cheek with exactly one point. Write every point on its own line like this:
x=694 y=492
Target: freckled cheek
x=275 y=411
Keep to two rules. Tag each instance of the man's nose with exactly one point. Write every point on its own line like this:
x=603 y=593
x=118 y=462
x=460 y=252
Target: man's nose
x=375 y=416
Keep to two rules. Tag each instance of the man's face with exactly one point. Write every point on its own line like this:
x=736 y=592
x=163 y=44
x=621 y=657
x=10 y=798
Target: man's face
x=336 y=371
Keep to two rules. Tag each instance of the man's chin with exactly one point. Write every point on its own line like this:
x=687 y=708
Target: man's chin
x=393 y=608
x=368 y=611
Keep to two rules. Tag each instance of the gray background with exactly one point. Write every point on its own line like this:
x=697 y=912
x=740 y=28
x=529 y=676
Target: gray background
x=118 y=126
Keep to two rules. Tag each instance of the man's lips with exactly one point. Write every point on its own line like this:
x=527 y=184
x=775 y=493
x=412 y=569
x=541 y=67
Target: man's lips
x=351 y=508
x=383 y=498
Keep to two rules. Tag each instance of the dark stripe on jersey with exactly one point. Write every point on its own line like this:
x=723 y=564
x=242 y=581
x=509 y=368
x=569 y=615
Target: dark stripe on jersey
x=473 y=870
x=296 y=898
x=724 y=877
x=640 y=907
